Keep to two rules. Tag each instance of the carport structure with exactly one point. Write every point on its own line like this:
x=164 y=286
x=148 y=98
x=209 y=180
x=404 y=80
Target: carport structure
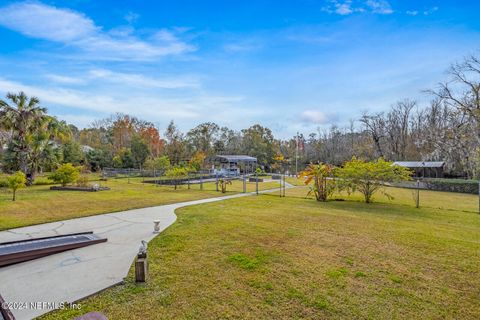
x=234 y=165
x=424 y=169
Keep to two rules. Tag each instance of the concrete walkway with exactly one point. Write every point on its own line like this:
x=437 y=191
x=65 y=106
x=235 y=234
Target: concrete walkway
x=41 y=285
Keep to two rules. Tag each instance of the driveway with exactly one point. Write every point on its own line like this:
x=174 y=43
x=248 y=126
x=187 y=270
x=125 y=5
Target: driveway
x=39 y=286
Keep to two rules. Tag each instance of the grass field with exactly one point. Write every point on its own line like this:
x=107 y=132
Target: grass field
x=406 y=197
x=291 y=258
x=39 y=204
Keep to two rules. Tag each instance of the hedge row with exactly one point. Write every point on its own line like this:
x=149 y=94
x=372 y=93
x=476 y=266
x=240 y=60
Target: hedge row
x=452 y=185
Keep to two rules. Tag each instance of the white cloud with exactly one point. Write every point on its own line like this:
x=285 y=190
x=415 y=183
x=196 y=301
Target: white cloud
x=69 y=27
x=64 y=79
x=412 y=13
x=151 y=107
x=131 y=17
x=344 y=8
x=341 y=8
x=132 y=80
x=430 y=11
x=314 y=117
x=348 y=7
x=40 y=21
x=241 y=47
x=309 y=38
x=379 y=6
x=81 y=121
x=139 y=80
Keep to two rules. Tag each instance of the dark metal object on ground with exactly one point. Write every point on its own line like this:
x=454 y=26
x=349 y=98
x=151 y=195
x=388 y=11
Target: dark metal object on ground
x=5 y=313
x=25 y=250
x=75 y=188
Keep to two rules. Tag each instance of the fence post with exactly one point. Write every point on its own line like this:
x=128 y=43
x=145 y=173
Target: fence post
x=141 y=269
x=417 y=200
x=280 y=180
x=244 y=183
x=201 y=181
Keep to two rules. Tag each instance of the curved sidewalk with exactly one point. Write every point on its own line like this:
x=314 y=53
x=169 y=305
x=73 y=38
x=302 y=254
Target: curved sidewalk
x=41 y=285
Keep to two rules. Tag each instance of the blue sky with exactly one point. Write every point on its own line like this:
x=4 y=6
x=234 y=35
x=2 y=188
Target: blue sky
x=290 y=65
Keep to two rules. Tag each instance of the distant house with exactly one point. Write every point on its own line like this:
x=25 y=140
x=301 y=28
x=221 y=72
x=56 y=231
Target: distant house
x=424 y=169
x=233 y=165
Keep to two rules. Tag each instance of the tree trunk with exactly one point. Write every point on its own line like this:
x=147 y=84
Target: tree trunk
x=376 y=141
x=368 y=193
x=317 y=189
x=31 y=177
x=14 y=194
x=321 y=190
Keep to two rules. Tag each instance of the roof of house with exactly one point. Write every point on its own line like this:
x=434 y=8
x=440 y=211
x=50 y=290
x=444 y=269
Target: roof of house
x=235 y=158
x=420 y=164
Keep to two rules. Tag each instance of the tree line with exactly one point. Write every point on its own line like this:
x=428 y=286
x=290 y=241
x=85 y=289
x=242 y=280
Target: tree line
x=447 y=129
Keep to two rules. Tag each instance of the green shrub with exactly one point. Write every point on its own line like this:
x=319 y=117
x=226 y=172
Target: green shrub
x=65 y=174
x=3 y=183
x=82 y=181
x=452 y=185
x=176 y=174
x=160 y=163
x=368 y=177
x=42 y=181
x=16 y=181
x=260 y=173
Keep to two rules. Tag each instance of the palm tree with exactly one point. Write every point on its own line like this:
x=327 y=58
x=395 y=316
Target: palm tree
x=320 y=174
x=44 y=144
x=23 y=118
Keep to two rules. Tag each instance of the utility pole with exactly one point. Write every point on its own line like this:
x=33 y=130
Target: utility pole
x=296 y=157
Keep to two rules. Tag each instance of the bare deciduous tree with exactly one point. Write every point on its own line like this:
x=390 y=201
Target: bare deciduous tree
x=375 y=125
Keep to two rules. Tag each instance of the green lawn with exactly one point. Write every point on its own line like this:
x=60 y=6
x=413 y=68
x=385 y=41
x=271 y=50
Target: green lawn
x=290 y=258
x=406 y=197
x=39 y=204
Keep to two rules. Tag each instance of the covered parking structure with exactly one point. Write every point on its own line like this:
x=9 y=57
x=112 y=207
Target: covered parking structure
x=233 y=165
x=424 y=169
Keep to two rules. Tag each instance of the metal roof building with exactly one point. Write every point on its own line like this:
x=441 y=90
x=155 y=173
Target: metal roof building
x=424 y=169
x=234 y=164
x=235 y=158
x=420 y=164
